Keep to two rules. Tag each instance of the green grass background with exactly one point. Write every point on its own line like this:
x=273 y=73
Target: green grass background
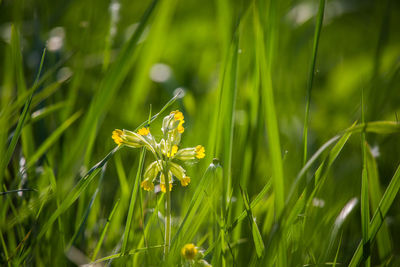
x=250 y=70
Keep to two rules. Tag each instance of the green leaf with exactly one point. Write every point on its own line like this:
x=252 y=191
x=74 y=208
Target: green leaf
x=52 y=139
x=6 y=159
x=379 y=216
x=103 y=233
x=311 y=72
x=132 y=202
x=258 y=241
x=383 y=239
x=75 y=193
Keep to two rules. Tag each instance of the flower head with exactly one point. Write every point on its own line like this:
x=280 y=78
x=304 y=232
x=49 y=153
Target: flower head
x=147 y=185
x=164 y=188
x=191 y=153
x=185 y=181
x=116 y=136
x=178 y=117
x=144 y=131
x=174 y=149
x=189 y=251
x=166 y=152
x=200 y=152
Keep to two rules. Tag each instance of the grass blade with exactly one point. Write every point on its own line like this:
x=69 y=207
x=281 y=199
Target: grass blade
x=132 y=202
x=317 y=32
x=364 y=190
x=383 y=239
x=258 y=241
x=378 y=218
x=6 y=159
x=75 y=192
x=103 y=233
x=101 y=101
x=52 y=139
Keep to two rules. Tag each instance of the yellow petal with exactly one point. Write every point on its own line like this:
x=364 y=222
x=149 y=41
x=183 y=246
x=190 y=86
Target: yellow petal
x=178 y=116
x=189 y=251
x=185 y=181
x=144 y=131
x=164 y=188
x=200 y=152
x=116 y=136
x=147 y=185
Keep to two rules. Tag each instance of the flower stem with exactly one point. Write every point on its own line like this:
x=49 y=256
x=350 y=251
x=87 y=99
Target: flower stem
x=167 y=214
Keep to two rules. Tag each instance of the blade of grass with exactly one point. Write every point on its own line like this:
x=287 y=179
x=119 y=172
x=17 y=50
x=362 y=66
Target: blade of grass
x=364 y=190
x=230 y=111
x=311 y=73
x=26 y=133
x=151 y=51
x=5 y=251
x=379 y=127
x=6 y=159
x=149 y=226
x=258 y=241
x=75 y=192
x=103 y=233
x=253 y=204
x=213 y=173
x=101 y=101
x=271 y=122
x=52 y=139
x=378 y=218
x=132 y=202
x=383 y=239
x=266 y=51
x=82 y=224
x=338 y=249
x=119 y=255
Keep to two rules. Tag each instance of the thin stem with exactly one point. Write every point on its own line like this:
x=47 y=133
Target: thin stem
x=167 y=213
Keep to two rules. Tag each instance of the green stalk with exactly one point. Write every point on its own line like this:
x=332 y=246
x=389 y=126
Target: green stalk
x=167 y=214
x=317 y=32
x=364 y=189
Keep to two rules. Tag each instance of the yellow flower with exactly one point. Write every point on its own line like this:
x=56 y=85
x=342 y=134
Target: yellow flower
x=191 y=153
x=164 y=188
x=147 y=185
x=178 y=116
x=168 y=156
x=185 y=181
x=116 y=136
x=189 y=251
x=200 y=152
x=180 y=126
x=144 y=131
x=174 y=149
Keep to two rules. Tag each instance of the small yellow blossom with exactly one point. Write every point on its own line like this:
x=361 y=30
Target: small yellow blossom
x=116 y=136
x=178 y=116
x=147 y=185
x=164 y=188
x=168 y=156
x=181 y=129
x=189 y=251
x=185 y=181
x=144 y=131
x=174 y=149
x=200 y=152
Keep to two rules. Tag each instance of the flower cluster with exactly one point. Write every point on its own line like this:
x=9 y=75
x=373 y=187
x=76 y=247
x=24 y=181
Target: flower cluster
x=167 y=153
x=193 y=256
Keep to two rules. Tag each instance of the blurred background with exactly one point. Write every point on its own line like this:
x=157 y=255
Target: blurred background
x=104 y=64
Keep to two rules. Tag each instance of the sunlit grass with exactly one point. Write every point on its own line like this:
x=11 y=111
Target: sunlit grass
x=295 y=103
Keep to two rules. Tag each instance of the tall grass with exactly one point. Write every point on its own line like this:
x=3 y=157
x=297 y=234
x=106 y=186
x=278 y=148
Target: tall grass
x=270 y=88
